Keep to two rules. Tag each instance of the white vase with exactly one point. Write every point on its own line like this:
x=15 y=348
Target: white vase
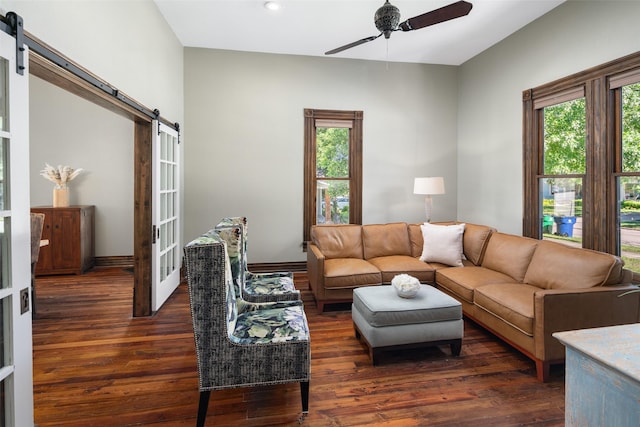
x=60 y=196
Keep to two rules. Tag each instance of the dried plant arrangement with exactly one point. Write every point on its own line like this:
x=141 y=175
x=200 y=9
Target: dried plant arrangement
x=60 y=175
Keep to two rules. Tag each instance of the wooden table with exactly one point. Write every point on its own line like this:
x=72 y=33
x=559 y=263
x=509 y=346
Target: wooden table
x=602 y=376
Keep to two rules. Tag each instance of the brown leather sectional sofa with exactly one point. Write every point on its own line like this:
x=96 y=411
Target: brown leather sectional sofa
x=521 y=289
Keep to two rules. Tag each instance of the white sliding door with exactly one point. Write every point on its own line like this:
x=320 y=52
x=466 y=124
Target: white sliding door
x=166 y=213
x=16 y=372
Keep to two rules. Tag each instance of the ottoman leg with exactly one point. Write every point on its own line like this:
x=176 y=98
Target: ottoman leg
x=372 y=351
x=456 y=347
x=374 y=356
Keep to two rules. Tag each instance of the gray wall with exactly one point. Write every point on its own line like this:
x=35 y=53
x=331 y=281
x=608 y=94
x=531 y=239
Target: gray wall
x=128 y=44
x=573 y=37
x=244 y=131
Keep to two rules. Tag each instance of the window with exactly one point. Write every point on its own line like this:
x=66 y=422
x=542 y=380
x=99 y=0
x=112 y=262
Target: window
x=563 y=167
x=332 y=168
x=581 y=146
x=627 y=170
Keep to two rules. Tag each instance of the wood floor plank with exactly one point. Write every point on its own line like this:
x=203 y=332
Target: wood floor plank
x=95 y=365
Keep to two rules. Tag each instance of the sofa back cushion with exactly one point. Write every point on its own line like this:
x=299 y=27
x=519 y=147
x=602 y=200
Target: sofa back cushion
x=555 y=265
x=415 y=239
x=338 y=241
x=385 y=240
x=474 y=241
x=509 y=254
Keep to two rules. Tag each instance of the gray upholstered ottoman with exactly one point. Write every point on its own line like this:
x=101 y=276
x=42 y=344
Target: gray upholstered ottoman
x=389 y=322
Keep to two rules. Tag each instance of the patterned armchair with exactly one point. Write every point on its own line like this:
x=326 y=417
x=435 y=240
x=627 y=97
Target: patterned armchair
x=260 y=287
x=240 y=344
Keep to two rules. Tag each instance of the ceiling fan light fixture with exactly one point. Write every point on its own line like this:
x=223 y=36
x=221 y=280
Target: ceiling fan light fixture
x=387 y=18
x=272 y=5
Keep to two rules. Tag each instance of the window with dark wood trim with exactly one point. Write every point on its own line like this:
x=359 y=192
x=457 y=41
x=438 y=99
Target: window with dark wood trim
x=349 y=124
x=604 y=178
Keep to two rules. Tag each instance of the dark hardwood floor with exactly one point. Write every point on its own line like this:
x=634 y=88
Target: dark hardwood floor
x=95 y=365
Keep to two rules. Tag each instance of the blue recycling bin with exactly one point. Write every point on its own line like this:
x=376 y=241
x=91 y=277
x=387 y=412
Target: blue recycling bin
x=564 y=225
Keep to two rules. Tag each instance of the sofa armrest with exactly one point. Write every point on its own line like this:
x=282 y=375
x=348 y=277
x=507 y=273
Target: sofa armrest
x=315 y=268
x=570 y=309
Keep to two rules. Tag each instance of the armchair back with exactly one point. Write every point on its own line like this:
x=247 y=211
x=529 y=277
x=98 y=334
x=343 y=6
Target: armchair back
x=255 y=344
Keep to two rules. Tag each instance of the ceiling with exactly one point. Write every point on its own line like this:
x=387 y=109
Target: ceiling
x=312 y=27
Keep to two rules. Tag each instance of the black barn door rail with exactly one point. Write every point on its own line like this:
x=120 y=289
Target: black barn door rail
x=13 y=25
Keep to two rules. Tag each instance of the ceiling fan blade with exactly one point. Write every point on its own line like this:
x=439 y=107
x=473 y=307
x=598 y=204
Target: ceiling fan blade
x=445 y=13
x=354 y=44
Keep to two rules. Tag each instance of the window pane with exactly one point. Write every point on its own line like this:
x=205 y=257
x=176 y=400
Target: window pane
x=629 y=221
x=4 y=316
x=631 y=128
x=4 y=174
x=5 y=242
x=332 y=152
x=4 y=358
x=2 y=405
x=564 y=138
x=4 y=94
x=332 y=202
x=562 y=210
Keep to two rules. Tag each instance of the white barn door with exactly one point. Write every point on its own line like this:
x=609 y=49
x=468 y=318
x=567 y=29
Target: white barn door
x=16 y=372
x=167 y=253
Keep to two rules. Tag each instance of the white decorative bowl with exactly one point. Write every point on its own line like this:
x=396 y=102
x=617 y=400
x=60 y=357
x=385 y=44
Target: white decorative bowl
x=406 y=286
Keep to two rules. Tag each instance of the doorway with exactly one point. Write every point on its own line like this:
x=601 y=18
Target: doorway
x=141 y=117
x=68 y=130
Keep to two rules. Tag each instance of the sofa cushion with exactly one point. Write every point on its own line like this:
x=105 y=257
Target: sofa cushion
x=511 y=302
x=442 y=244
x=393 y=265
x=274 y=325
x=338 y=241
x=555 y=265
x=462 y=281
x=475 y=240
x=385 y=239
x=509 y=254
x=415 y=239
x=350 y=273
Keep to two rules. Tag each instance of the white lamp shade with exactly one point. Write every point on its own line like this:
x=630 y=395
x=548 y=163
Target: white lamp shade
x=428 y=185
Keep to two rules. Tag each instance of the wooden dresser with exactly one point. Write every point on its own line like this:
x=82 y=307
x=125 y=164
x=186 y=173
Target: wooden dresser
x=70 y=232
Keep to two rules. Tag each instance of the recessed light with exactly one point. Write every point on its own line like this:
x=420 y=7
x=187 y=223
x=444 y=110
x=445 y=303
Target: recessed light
x=272 y=5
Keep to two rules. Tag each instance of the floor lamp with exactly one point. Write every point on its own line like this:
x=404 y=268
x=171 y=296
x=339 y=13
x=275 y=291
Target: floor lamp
x=428 y=186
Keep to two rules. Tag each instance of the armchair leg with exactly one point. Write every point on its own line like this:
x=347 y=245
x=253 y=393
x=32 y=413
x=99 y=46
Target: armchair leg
x=304 y=391
x=202 y=407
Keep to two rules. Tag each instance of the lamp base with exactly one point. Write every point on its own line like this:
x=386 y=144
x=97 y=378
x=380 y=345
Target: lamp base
x=427 y=207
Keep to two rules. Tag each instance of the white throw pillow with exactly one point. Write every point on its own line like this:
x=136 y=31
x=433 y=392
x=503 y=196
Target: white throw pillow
x=442 y=243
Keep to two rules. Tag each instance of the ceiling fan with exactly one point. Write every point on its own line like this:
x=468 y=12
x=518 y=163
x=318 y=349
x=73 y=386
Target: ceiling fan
x=387 y=20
